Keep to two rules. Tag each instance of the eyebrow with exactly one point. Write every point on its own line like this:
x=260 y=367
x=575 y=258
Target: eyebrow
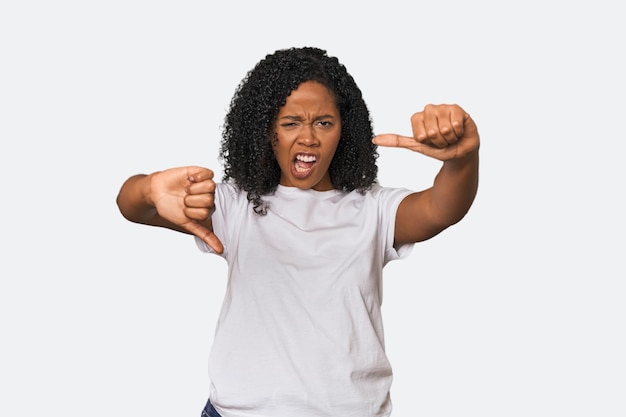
x=299 y=118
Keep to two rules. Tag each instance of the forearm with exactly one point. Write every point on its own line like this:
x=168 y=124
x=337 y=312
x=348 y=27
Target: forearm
x=455 y=188
x=134 y=200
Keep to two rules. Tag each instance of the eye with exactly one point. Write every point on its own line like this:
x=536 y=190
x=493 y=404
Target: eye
x=324 y=123
x=288 y=125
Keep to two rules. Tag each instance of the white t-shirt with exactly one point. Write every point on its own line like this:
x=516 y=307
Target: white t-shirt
x=300 y=332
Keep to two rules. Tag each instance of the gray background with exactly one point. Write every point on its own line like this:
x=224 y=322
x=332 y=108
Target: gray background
x=516 y=311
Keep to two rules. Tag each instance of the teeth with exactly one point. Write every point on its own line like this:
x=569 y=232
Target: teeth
x=305 y=158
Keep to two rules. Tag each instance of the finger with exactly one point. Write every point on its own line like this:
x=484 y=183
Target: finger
x=447 y=131
x=419 y=129
x=453 y=126
x=199 y=174
x=207 y=236
x=434 y=117
x=457 y=120
x=392 y=140
x=198 y=214
x=442 y=154
x=467 y=144
x=199 y=207
x=443 y=124
x=399 y=141
x=202 y=187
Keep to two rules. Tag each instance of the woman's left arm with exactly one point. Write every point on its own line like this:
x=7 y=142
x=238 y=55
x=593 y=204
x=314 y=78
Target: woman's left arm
x=447 y=133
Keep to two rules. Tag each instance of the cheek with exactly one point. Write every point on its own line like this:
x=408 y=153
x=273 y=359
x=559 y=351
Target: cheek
x=334 y=147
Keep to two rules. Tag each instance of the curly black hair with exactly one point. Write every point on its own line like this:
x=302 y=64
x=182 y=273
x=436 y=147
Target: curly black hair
x=246 y=149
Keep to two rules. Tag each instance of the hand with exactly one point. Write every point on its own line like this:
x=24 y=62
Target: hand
x=185 y=197
x=443 y=131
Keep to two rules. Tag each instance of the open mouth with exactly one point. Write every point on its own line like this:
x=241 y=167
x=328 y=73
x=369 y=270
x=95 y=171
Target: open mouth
x=303 y=164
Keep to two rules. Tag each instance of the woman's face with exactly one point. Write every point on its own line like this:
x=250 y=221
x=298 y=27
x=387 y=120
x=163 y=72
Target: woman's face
x=306 y=135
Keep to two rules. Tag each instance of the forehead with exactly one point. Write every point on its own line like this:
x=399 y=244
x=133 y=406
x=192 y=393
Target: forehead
x=311 y=94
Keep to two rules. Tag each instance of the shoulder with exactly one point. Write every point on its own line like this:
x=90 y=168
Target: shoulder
x=226 y=187
x=229 y=190
x=384 y=194
x=228 y=195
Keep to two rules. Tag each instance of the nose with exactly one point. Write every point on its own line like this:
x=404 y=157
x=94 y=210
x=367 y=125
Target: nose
x=307 y=135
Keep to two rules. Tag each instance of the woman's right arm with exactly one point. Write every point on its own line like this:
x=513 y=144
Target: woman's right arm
x=180 y=199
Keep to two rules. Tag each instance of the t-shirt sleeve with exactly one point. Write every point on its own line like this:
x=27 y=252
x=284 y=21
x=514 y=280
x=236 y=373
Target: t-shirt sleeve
x=389 y=200
x=227 y=200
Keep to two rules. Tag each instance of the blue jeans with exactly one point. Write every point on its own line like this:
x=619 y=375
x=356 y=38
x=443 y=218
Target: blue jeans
x=209 y=411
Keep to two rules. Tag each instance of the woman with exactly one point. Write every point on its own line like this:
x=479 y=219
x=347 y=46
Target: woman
x=306 y=231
